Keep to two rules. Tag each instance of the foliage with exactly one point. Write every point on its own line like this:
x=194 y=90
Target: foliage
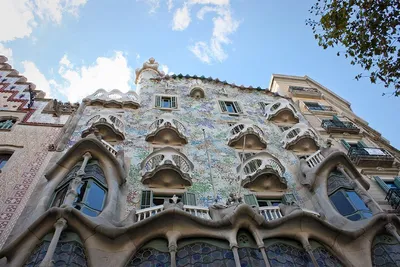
x=368 y=30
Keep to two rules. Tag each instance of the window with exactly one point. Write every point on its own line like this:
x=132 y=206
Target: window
x=148 y=199
x=167 y=102
x=245 y=155
x=346 y=201
x=230 y=107
x=252 y=200
x=92 y=191
x=263 y=105
x=353 y=145
x=284 y=128
x=7 y=124
x=317 y=106
x=4 y=158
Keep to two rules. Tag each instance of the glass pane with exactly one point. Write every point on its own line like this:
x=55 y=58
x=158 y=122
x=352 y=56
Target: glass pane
x=367 y=214
x=356 y=200
x=94 y=196
x=341 y=203
x=2 y=163
x=166 y=102
x=89 y=212
x=275 y=203
x=355 y=217
x=229 y=107
x=81 y=192
x=389 y=184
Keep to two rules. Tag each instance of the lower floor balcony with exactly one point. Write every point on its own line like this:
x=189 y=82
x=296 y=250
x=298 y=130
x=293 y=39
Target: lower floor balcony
x=393 y=198
x=370 y=157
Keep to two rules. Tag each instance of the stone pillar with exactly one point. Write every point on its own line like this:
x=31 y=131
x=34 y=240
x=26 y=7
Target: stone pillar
x=307 y=247
x=172 y=251
x=359 y=189
x=234 y=248
x=59 y=226
x=73 y=186
x=264 y=255
x=392 y=230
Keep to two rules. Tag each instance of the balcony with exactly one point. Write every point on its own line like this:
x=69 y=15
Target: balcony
x=113 y=99
x=370 y=157
x=337 y=126
x=262 y=172
x=314 y=159
x=300 y=138
x=281 y=111
x=111 y=127
x=393 y=197
x=248 y=135
x=308 y=92
x=167 y=130
x=166 y=168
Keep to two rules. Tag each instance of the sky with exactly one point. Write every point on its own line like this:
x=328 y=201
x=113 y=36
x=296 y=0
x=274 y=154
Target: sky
x=71 y=48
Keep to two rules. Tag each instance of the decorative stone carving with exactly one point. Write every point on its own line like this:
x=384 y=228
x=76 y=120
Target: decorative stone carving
x=233 y=200
x=151 y=64
x=300 y=138
x=173 y=203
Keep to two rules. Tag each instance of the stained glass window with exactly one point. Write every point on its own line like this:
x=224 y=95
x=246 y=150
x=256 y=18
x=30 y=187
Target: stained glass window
x=385 y=252
x=250 y=257
x=204 y=254
x=282 y=255
x=325 y=259
x=150 y=257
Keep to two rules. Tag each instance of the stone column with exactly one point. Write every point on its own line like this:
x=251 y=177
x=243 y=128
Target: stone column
x=73 y=186
x=392 y=230
x=172 y=251
x=59 y=226
x=359 y=189
x=234 y=248
x=264 y=255
x=307 y=247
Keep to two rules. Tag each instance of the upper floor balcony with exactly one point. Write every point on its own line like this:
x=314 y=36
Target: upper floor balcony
x=248 y=135
x=262 y=172
x=110 y=127
x=166 y=168
x=281 y=111
x=300 y=138
x=337 y=126
x=113 y=99
x=308 y=92
x=371 y=157
x=167 y=130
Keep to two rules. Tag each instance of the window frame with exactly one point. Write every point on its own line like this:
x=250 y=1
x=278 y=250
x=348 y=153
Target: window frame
x=14 y=121
x=158 y=101
x=4 y=156
x=236 y=106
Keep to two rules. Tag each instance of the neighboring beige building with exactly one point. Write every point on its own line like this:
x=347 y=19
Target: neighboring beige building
x=194 y=171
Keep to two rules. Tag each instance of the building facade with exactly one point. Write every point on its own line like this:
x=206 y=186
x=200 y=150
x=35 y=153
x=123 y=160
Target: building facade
x=194 y=171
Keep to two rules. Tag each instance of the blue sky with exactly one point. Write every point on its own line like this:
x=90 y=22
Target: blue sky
x=70 y=48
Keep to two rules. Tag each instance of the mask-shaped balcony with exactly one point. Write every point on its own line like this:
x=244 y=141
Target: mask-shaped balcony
x=262 y=172
x=281 y=111
x=248 y=134
x=300 y=138
x=167 y=130
x=166 y=168
x=111 y=128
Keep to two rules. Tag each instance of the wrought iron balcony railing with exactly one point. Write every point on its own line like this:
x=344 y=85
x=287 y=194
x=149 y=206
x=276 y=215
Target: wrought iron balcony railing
x=320 y=108
x=393 y=197
x=304 y=91
x=337 y=126
x=370 y=156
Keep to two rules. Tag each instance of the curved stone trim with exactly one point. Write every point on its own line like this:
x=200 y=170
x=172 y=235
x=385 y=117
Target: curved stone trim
x=167 y=122
x=243 y=128
x=113 y=98
x=167 y=158
x=197 y=92
x=346 y=243
x=281 y=105
x=298 y=132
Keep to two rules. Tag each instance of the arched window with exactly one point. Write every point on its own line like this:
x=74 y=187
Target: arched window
x=204 y=252
x=281 y=252
x=323 y=256
x=249 y=253
x=7 y=124
x=385 y=251
x=154 y=253
x=4 y=158
x=92 y=191
x=69 y=251
x=343 y=197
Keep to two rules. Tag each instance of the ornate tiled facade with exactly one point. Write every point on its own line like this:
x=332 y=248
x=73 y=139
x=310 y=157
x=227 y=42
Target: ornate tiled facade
x=194 y=171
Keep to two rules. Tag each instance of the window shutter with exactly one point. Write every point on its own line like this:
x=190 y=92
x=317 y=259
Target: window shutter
x=381 y=183
x=262 y=106
x=146 y=200
x=361 y=144
x=251 y=199
x=237 y=106
x=345 y=144
x=158 y=101
x=174 y=102
x=335 y=118
x=397 y=181
x=222 y=105
x=189 y=199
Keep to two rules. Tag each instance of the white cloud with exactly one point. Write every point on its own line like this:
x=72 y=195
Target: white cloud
x=170 y=5
x=181 y=18
x=24 y=15
x=212 y=2
x=6 y=52
x=165 y=69
x=108 y=73
x=153 y=4
x=33 y=74
x=224 y=25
